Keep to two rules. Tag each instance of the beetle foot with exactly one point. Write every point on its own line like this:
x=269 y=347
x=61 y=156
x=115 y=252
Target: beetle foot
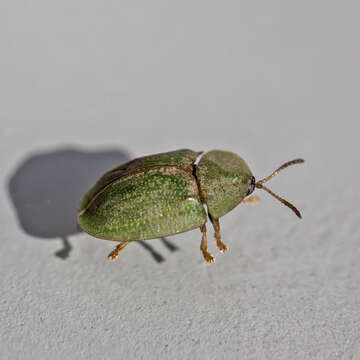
x=220 y=245
x=115 y=253
x=208 y=257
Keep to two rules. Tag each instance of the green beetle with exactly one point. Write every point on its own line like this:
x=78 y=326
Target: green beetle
x=164 y=194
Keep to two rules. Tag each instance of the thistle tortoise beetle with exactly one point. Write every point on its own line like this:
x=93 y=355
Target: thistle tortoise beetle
x=164 y=194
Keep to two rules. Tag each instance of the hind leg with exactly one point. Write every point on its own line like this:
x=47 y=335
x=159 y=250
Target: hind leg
x=114 y=254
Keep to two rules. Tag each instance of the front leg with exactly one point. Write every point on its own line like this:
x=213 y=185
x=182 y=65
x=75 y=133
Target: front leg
x=221 y=246
x=252 y=199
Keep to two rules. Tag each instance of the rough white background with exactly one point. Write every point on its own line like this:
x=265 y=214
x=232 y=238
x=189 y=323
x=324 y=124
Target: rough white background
x=86 y=85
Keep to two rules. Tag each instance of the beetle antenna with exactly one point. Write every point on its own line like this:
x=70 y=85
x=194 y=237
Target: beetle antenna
x=291 y=206
x=282 y=167
x=260 y=185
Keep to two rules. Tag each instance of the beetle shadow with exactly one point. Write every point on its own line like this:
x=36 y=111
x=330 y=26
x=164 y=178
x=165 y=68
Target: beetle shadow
x=157 y=256
x=46 y=187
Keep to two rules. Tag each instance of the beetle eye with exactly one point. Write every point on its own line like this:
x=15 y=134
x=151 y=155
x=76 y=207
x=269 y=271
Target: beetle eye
x=252 y=186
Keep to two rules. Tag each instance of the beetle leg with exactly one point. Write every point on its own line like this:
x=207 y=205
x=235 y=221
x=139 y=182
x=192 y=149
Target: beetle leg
x=252 y=199
x=114 y=254
x=221 y=246
x=203 y=247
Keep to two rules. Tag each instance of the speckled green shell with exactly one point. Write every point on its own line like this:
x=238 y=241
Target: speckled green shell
x=224 y=180
x=146 y=198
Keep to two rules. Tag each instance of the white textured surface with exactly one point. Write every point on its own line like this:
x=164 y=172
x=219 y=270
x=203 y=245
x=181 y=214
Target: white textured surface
x=270 y=80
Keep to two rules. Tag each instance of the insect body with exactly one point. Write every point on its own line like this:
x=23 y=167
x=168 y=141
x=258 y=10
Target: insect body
x=164 y=194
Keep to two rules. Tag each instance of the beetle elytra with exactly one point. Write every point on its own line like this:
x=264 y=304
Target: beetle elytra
x=165 y=194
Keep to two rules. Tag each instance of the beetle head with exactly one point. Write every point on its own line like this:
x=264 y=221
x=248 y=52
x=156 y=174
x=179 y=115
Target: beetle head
x=252 y=186
x=260 y=185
